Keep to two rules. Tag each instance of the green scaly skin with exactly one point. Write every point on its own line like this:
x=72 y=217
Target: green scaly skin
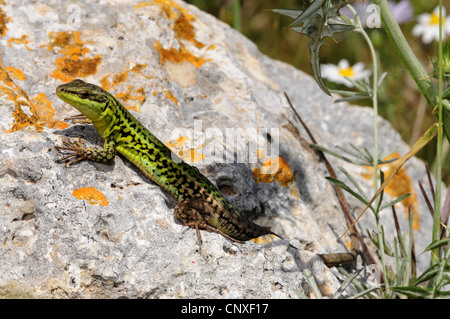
x=200 y=204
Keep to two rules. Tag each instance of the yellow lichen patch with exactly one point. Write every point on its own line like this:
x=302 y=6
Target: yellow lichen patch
x=185 y=152
x=138 y=68
x=274 y=170
x=104 y=83
x=263 y=239
x=182 y=140
x=169 y=95
x=92 y=195
x=4 y=19
x=400 y=184
x=178 y=55
x=45 y=112
x=184 y=32
x=167 y=6
x=133 y=94
x=73 y=64
x=195 y=156
x=348 y=244
x=23 y=40
x=127 y=96
x=36 y=112
x=182 y=26
x=16 y=74
x=120 y=78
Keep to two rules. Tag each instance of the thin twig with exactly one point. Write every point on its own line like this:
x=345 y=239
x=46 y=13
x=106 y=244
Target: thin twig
x=445 y=213
x=427 y=169
x=399 y=232
x=413 y=254
x=427 y=200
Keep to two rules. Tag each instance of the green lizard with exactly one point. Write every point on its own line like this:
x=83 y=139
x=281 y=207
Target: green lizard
x=200 y=204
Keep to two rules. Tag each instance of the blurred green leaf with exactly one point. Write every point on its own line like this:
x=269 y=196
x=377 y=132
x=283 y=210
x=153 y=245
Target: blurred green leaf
x=395 y=201
x=356 y=96
x=354 y=182
x=344 y=158
x=426 y=275
x=313 y=9
x=292 y=13
x=374 y=239
x=347 y=189
x=439 y=243
x=344 y=285
x=414 y=292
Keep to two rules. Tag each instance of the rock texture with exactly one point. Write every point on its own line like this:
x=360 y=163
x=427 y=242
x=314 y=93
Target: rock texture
x=95 y=230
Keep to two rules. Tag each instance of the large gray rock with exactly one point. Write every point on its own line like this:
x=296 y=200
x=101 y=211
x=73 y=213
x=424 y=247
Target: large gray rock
x=97 y=230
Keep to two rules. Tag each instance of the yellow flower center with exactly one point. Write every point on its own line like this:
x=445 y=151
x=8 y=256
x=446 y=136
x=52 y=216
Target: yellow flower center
x=348 y=72
x=434 y=19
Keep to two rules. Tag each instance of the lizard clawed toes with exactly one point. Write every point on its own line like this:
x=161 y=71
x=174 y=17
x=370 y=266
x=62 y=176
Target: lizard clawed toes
x=79 y=119
x=76 y=148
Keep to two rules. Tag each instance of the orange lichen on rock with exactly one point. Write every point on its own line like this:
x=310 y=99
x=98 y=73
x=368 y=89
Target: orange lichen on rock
x=92 y=195
x=139 y=93
x=45 y=112
x=184 y=32
x=140 y=98
x=167 y=6
x=274 y=170
x=178 y=55
x=16 y=74
x=169 y=95
x=185 y=152
x=73 y=64
x=4 y=19
x=400 y=184
x=40 y=114
x=36 y=111
x=23 y=40
x=263 y=239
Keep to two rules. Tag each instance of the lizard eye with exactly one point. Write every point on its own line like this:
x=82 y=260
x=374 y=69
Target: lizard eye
x=84 y=95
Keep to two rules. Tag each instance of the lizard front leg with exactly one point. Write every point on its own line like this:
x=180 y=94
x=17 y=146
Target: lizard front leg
x=194 y=213
x=80 y=153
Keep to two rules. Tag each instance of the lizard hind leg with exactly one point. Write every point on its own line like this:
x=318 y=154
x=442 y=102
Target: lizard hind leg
x=192 y=213
x=187 y=211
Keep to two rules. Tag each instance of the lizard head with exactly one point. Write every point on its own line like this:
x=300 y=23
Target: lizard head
x=89 y=99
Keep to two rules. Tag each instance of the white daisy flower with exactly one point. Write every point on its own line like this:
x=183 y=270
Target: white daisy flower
x=428 y=26
x=337 y=73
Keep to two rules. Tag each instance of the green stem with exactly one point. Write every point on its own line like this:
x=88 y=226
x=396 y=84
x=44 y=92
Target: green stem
x=437 y=202
x=406 y=54
x=236 y=12
x=411 y=62
x=375 y=133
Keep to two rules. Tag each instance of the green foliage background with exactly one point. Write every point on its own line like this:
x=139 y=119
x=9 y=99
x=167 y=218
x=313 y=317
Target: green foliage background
x=400 y=101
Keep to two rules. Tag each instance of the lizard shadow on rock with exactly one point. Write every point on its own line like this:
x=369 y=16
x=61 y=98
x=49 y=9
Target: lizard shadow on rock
x=86 y=132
